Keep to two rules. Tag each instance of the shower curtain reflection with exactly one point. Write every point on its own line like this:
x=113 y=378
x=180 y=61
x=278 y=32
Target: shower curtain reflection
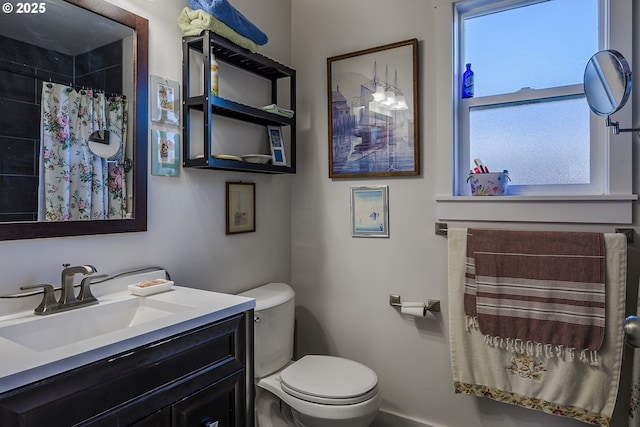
x=75 y=183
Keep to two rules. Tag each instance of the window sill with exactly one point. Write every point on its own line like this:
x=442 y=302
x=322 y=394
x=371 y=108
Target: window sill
x=599 y=209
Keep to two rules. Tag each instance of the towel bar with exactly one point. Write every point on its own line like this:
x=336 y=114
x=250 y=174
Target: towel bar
x=441 y=230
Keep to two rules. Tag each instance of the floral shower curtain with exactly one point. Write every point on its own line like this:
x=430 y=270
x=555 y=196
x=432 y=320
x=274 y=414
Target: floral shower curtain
x=77 y=184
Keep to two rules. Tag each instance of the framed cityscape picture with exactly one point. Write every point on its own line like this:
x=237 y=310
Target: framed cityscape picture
x=373 y=112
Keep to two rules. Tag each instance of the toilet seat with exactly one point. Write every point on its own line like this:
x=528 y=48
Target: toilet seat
x=329 y=380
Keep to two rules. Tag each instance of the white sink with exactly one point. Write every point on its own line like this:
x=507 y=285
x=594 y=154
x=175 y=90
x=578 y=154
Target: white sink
x=35 y=347
x=42 y=333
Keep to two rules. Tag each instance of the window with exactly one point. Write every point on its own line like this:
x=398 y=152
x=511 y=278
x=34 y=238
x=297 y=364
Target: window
x=529 y=114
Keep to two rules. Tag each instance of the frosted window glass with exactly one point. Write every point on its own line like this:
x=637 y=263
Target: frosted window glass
x=539 y=143
x=542 y=45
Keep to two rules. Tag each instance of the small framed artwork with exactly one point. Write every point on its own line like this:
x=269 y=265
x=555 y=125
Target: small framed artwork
x=165 y=101
x=165 y=153
x=370 y=211
x=277 y=146
x=241 y=207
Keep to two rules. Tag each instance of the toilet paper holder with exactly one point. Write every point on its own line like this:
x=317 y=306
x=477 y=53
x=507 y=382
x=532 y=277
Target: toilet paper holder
x=432 y=305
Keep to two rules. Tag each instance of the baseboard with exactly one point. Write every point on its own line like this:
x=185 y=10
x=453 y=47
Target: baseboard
x=391 y=419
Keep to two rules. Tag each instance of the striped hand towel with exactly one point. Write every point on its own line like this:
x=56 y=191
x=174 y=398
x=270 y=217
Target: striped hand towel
x=537 y=288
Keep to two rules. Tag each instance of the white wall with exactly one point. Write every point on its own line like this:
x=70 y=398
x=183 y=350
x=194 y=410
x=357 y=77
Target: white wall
x=186 y=228
x=343 y=283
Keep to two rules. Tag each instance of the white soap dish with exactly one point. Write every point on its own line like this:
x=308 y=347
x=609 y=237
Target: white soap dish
x=150 y=287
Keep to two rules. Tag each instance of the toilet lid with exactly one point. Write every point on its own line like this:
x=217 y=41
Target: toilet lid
x=329 y=380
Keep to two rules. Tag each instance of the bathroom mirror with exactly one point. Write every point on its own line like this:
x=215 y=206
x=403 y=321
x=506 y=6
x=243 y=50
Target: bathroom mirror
x=112 y=46
x=607 y=82
x=103 y=143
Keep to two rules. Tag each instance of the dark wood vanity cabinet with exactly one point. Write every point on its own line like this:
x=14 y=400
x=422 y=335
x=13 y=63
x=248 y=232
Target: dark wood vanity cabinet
x=195 y=378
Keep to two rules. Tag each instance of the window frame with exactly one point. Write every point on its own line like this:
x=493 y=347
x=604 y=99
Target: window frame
x=610 y=202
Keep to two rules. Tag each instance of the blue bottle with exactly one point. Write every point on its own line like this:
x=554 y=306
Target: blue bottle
x=467 y=83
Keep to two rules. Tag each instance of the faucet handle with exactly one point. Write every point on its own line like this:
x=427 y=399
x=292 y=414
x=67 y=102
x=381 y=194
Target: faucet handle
x=85 y=294
x=48 y=299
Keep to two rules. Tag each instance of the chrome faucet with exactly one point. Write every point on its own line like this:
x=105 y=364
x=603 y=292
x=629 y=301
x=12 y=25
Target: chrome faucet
x=67 y=293
x=67 y=299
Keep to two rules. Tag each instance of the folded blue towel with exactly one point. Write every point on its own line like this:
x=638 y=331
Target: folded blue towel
x=223 y=11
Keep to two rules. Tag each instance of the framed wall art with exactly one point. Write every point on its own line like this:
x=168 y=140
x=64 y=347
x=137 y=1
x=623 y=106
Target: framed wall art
x=370 y=211
x=165 y=101
x=241 y=207
x=277 y=146
x=373 y=112
x=165 y=153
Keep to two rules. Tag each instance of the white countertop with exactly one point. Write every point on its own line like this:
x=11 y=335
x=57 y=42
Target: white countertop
x=22 y=365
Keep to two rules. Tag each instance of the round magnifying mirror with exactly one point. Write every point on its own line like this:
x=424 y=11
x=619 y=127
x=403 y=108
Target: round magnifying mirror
x=102 y=145
x=607 y=82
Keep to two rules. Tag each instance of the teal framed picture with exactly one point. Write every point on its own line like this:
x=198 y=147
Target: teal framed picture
x=165 y=153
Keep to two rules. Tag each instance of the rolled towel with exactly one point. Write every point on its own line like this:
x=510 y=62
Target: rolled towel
x=194 y=22
x=224 y=12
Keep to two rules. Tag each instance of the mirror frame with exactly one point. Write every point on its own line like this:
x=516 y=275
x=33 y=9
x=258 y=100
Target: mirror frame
x=625 y=75
x=140 y=114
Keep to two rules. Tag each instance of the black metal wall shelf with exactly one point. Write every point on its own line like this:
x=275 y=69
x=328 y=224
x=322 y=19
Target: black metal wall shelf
x=260 y=65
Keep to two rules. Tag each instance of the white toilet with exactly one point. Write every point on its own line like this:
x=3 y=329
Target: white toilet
x=321 y=391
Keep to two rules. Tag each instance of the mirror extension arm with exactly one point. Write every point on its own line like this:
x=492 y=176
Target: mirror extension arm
x=616 y=127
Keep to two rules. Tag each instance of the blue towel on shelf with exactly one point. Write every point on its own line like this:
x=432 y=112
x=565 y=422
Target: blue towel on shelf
x=224 y=12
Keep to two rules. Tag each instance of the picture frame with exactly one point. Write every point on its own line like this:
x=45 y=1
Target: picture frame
x=370 y=211
x=374 y=112
x=165 y=101
x=276 y=142
x=240 y=207
x=165 y=152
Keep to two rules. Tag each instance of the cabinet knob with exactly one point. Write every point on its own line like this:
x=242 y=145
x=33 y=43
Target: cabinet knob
x=211 y=424
x=256 y=319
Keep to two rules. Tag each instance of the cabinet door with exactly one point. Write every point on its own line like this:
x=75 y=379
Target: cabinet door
x=219 y=405
x=159 y=419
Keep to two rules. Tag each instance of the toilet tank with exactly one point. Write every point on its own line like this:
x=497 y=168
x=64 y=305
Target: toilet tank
x=273 y=327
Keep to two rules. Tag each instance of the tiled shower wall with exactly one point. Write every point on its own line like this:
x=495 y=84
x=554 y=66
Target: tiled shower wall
x=23 y=68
